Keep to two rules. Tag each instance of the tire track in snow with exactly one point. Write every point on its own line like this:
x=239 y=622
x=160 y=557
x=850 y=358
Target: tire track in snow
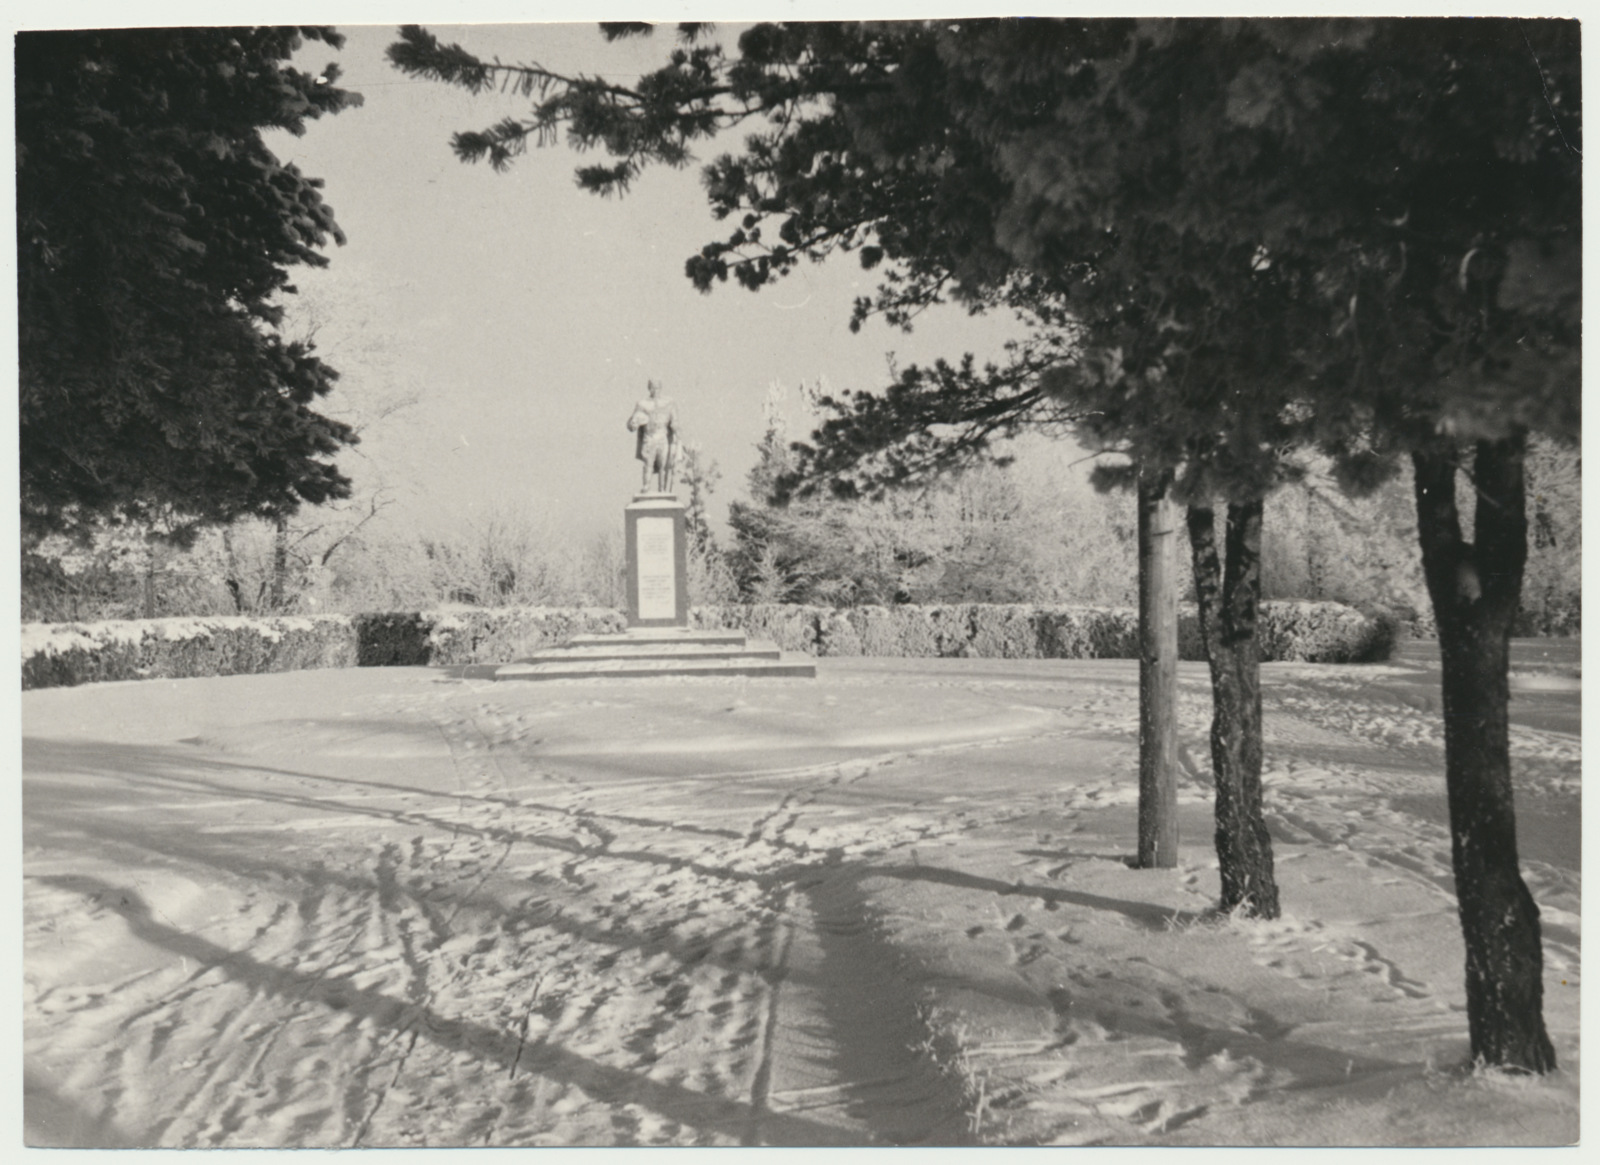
x=867 y=1075
x=779 y=938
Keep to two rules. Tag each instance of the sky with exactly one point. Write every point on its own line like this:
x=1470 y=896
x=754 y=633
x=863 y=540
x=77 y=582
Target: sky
x=523 y=316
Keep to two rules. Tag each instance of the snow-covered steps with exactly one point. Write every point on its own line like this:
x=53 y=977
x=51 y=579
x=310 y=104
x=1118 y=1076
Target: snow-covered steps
x=621 y=668
x=658 y=652
x=667 y=636
x=657 y=645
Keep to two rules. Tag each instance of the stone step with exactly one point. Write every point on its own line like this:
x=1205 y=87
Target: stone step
x=570 y=669
x=657 y=635
x=654 y=649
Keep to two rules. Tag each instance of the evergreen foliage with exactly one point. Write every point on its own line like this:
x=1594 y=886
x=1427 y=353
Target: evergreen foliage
x=155 y=231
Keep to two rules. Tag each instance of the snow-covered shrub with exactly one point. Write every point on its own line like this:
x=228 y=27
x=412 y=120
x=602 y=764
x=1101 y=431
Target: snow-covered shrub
x=66 y=654
x=1306 y=632
x=836 y=635
x=1005 y=632
x=462 y=635
x=785 y=624
x=907 y=631
x=1323 y=633
x=392 y=639
x=459 y=634
x=1087 y=632
x=1010 y=630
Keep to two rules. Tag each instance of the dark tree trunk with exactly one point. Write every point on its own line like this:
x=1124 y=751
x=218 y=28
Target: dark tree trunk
x=1475 y=588
x=232 y=579
x=1158 y=677
x=148 y=588
x=1228 y=598
x=280 y=565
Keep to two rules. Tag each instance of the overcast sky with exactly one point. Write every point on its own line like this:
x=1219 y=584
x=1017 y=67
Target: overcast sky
x=525 y=315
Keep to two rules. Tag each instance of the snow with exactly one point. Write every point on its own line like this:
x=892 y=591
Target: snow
x=891 y=905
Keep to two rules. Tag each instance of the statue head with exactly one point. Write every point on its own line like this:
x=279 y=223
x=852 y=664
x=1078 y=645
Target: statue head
x=653 y=387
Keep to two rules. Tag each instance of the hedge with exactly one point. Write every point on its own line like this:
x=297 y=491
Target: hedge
x=465 y=635
x=65 y=654
x=1321 y=633
x=1311 y=632
x=61 y=654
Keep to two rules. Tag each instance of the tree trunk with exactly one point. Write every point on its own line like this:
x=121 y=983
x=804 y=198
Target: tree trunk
x=1158 y=677
x=1475 y=589
x=280 y=565
x=231 y=580
x=1228 y=598
x=148 y=589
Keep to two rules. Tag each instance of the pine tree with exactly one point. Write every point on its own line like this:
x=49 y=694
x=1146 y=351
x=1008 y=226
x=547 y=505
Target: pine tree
x=155 y=231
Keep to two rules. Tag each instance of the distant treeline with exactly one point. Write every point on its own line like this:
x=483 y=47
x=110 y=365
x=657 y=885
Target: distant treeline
x=989 y=536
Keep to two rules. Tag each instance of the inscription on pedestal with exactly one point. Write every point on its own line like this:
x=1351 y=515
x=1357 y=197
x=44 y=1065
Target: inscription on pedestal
x=658 y=583
x=658 y=577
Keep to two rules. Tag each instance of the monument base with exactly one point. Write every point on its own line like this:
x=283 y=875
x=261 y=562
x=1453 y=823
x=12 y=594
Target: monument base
x=658 y=641
x=656 y=533
x=666 y=651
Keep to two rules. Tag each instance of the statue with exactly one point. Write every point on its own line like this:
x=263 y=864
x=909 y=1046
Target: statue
x=656 y=424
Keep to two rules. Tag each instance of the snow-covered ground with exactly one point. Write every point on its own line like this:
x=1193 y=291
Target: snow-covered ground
x=407 y=907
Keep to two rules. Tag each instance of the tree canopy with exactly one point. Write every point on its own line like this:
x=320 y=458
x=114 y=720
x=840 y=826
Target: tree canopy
x=1254 y=234
x=155 y=232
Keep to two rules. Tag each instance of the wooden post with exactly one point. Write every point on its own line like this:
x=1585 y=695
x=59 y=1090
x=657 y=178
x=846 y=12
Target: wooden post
x=1158 y=677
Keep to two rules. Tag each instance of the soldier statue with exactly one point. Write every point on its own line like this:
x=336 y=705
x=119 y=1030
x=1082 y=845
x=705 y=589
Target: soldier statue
x=655 y=423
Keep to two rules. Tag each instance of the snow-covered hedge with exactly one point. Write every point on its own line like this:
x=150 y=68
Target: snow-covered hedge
x=1324 y=633
x=1312 y=632
x=1012 y=631
x=461 y=635
x=59 y=654
x=63 y=654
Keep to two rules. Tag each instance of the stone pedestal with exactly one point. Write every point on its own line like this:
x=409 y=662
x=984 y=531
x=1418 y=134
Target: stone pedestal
x=658 y=563
x=658 y=641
